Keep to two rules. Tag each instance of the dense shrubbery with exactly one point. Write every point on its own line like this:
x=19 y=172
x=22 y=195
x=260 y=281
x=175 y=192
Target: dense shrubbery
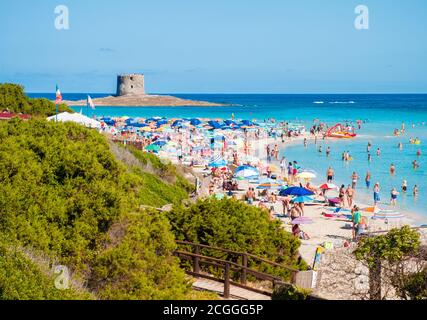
x=236 y=226
x=13 y=98
x=62 y=192
x=290 y=292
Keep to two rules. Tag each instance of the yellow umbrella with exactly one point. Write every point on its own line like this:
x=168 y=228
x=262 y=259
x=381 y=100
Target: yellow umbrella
x=273 y=168
x=306 y=175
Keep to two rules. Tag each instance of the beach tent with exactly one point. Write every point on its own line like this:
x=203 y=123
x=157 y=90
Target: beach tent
x=77 y=118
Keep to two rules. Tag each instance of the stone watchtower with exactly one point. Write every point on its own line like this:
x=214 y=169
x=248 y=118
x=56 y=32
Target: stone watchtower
x=132 y=84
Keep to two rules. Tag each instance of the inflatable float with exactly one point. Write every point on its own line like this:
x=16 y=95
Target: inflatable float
x=339 y=131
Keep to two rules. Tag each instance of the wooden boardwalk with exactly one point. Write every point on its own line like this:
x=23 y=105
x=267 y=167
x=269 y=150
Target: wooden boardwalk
x=236 y=293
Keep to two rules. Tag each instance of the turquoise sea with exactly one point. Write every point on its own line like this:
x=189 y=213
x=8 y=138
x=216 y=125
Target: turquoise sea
x=381 y=113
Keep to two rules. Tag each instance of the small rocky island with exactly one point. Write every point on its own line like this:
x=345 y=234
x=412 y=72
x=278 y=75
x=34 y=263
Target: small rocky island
x=131 y=93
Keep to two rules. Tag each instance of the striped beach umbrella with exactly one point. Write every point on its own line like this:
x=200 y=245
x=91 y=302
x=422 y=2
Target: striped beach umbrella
x=388 y=214
x=246 y=172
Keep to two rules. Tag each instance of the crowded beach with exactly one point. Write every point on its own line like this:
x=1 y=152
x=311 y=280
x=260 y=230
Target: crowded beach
x=242 y=159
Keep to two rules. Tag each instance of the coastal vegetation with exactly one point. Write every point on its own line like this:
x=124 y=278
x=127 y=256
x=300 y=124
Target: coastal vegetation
x=395 y=258
x=13 y=99
x=234 y=225
x=64 y=194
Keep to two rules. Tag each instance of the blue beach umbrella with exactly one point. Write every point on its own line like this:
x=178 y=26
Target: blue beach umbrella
x=302 y=199
x=246 y=172
x=295 y=191
x=195 y=122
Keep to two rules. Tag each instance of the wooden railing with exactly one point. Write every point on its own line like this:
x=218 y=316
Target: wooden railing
x=198 y=259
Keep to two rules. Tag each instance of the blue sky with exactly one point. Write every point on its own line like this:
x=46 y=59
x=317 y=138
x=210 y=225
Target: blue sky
x=224 y=46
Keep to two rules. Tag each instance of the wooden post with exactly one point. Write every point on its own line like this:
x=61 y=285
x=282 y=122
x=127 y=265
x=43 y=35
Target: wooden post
x=196 y=266
x=245 y=265
x=227 y=281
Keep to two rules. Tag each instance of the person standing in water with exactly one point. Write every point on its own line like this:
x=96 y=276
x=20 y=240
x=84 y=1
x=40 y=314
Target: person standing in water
x=328 y=151
x=378 y=152
x=404 y=186
x=393 y=196
x=415 y=165
x=376 y=193
x=418 y=152
x=305 y=142
x=368 y=179
x=354 y=178
x=368 y=148
x=392 y=169
x=329 y=175
x=415 y=192
x=369 y=157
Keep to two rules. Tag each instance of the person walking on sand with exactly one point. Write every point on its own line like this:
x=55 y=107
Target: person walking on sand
x=329 y=175
x=368 y=179
x=376 y=193
x=283 y=165
x=393 y=196
x=341 y=196
x=349 y=193
x=355 y=218
x=276 y=152
x=354 y=178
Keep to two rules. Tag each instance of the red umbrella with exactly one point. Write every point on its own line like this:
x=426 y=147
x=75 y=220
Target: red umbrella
x=328 y=186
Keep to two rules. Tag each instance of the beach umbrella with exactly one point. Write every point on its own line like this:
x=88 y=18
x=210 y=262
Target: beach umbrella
x=195 y=122
x=246 y=172
x=269 y=185
x=302 y=199
x=388 y=214
x=306 y=175
x=153 y=147
x=160 y=143
x=295 y=191
x=273 y=168
x=302 y=220
x=328 y=186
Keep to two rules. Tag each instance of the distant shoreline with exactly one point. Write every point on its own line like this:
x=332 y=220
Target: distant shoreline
x=144 y=101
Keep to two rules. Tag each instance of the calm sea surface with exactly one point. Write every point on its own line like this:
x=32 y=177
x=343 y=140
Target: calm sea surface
x=382 y=113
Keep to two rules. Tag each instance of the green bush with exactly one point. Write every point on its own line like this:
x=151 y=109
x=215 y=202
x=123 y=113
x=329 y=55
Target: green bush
x=290 y=292
x=63 y=193
x=236 y=226
x=13 y=98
